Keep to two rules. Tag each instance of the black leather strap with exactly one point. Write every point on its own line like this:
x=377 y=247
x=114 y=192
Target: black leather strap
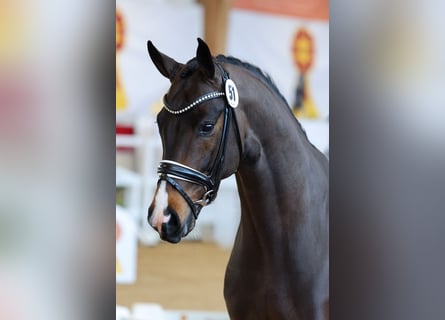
x=185 y=173
x=225 y=75
x=195 y=208
x=216 y=171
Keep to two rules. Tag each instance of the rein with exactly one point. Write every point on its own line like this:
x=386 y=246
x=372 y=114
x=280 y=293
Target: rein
x=169 y=170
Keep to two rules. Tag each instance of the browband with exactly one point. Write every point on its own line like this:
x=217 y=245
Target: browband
x=201 y=99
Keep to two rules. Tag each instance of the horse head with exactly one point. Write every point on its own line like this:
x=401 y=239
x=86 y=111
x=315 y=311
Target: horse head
x=195 y=124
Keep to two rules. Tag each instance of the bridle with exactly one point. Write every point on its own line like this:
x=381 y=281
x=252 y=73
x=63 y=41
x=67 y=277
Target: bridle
x=169 y=170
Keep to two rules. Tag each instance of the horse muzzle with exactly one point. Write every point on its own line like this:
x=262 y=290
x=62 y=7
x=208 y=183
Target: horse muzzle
x=169 y=214
x=168 y=224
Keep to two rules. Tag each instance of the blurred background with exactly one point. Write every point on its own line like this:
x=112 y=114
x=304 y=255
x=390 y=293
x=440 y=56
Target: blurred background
x=58 y=70
x=56 y=189
x=289 y=40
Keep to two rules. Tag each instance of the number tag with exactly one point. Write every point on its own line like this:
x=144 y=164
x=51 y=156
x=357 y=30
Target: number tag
x=231 y=93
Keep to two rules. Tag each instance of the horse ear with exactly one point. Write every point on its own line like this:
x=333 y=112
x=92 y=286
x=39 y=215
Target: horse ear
x=166 y=65
x=205 y=59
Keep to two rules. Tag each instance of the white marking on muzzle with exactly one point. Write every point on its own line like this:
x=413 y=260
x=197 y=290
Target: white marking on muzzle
x=161 y=203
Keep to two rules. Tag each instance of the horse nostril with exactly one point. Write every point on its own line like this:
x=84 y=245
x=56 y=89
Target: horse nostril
x=171 y=228
x=172 y=218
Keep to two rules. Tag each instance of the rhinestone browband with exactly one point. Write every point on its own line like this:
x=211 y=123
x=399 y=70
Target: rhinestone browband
x=201 y=99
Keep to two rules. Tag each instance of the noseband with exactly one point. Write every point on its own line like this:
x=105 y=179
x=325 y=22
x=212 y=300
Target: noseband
x=169 y=170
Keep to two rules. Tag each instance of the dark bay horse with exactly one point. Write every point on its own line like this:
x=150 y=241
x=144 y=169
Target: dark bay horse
x=221 y=117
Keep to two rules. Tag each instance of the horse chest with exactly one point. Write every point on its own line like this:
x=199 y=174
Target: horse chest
x=253 y=291
x=260 y=288
x=247 y=300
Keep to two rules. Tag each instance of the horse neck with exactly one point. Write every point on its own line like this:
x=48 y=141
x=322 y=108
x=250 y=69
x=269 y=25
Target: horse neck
x=276 y=189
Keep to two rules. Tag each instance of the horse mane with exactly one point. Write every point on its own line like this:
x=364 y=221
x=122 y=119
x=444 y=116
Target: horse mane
x=267 y=80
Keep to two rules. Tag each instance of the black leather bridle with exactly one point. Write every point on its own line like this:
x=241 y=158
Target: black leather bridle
x=169 y=170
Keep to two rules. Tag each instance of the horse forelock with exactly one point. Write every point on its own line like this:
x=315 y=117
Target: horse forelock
x=190 y=67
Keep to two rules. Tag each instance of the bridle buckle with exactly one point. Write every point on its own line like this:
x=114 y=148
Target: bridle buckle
x=206 y=199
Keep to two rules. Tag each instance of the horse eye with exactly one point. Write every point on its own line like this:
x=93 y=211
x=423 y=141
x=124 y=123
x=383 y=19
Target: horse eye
x=206 y=128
